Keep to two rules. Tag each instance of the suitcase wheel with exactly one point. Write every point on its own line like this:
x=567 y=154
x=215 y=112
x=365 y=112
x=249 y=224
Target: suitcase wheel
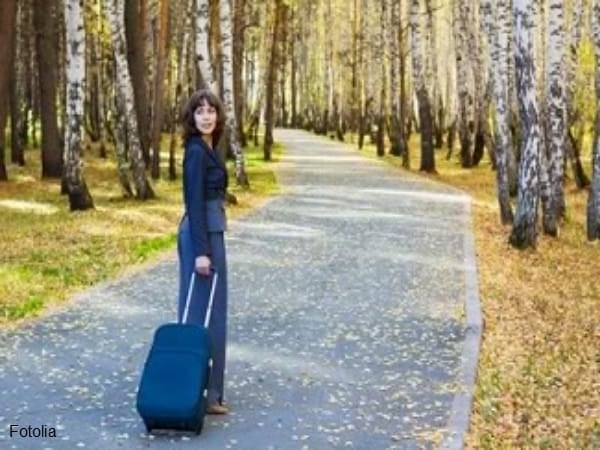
x=149 y=428
x=199 y=427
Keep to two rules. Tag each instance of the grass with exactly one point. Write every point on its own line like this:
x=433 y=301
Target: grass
x=49 y=253
x=537 y=385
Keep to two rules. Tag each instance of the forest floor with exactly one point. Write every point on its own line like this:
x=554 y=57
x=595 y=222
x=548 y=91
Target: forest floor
x=537 y=383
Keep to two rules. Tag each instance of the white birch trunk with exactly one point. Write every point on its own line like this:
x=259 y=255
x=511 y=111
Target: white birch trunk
x=508 y=62
x=463 y=81
x=481 y=83
x=228 y=97
x=524 y=232
x=393 y=44
x=382 y=79
x=367 y=89
x=593 y=206
x=396 y=81
x=115 y=13
x=497 y=43
x=432 y=73
x=202 y=50
x=79 y=197
x=416 y=46
x=420 y=89
x=556 y=114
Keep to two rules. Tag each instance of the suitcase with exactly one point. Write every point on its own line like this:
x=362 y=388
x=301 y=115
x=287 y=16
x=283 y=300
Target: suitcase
x=172 y=388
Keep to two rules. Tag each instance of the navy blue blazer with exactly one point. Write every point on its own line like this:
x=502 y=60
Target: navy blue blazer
x=204 y=186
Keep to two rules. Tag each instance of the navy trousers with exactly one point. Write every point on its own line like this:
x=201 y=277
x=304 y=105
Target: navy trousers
x=199 y=301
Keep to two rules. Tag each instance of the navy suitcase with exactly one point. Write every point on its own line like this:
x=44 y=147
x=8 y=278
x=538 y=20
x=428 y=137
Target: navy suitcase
x=172 y=389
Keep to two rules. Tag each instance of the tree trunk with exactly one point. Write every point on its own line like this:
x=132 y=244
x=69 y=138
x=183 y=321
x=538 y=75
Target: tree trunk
x=524 y=232
x=463 y=82
x=398 y=140
x=381 y=115
x=271 y=81
x=115 y=13
x=239 y=39
x=17 y=90
x=404 y=148
x=431 y=76
x=202 y=52
x=228 y=92
x=293 y=74
x=556 y=115
x=135 y=18
x=183 y=35
x=162 y=38
x=425 y=117
x=8 y=10
x=593 y=205
x=79 y=196
x=44 y=17
x=497 y=43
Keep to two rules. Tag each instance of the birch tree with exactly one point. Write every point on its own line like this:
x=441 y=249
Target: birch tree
x=593 y=206
x=369 y=78
x=79 y=196
x=506 y=27
x=420 y=88
x=279 y=12
x=556 y=115
x=382 y=81
x=524 y=232
x=463 y=82
x=179 y=61
x=431 y=73
x=497 y=44
x=398 y=146
x=202 y=51
x=124 y=88
x=228 y=97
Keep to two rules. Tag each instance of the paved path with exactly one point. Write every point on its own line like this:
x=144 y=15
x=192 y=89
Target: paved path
x=347 y=324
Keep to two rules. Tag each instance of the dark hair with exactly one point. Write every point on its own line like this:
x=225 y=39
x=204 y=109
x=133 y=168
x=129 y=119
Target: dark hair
x=197 y=99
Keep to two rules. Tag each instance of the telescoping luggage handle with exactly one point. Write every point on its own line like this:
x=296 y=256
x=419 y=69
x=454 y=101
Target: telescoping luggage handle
x=210 y=298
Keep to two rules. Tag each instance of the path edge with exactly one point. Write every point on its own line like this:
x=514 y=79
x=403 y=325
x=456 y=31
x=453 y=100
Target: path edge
x=459 y=421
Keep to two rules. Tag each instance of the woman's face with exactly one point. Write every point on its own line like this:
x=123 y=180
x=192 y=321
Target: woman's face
x=205 y=118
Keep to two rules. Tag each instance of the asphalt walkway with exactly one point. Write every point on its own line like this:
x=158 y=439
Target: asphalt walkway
x=353 y=324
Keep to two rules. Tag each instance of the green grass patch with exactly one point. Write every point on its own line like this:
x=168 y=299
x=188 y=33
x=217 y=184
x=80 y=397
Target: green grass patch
x=148 y=247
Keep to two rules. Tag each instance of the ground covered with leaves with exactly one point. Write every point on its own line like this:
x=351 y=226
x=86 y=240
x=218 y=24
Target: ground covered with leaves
x=537 y=383
x=49 y=253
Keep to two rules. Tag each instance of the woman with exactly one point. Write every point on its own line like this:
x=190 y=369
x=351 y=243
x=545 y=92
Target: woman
x=200 y=241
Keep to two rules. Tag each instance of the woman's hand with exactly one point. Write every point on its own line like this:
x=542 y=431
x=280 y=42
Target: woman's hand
x=203 y=265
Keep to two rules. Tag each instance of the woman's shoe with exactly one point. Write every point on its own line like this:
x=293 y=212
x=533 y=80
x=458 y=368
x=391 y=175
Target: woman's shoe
x=217 y=409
